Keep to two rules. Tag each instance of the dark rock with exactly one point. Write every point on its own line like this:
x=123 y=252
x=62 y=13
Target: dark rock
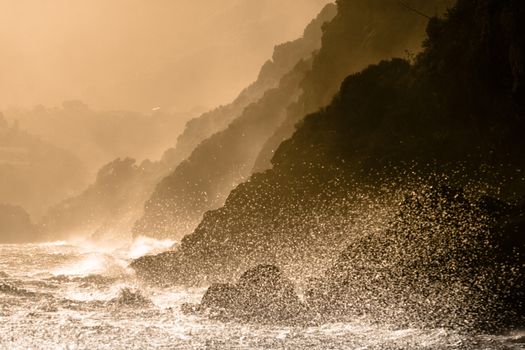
x=130 y=298
x=443 y=261
x=159 y=269
x=221 y=296
x=15 y=291
x=262 y=294
x=225 y=157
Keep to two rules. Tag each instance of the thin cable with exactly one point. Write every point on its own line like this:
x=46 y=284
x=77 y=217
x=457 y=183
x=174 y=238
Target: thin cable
x=407 y=6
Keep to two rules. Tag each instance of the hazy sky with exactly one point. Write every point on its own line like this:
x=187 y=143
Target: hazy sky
x=140 y=54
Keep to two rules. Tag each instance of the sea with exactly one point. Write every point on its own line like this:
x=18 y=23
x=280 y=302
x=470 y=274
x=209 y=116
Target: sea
x=82 y=295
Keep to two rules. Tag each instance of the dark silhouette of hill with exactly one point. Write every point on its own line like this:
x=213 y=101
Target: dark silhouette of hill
x=108 y=208
x=365 y=34
x=453 y=116
x=285 y=57
x=33 y=173
x=221 y=161
x=16 y=226
x=361 y=34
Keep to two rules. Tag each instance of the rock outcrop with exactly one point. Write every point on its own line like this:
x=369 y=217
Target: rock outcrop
x=262 y=294
x=108 y=210
x=444 y=261
x=204 y=179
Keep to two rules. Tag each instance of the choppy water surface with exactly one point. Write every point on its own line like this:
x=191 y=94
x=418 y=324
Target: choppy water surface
x=77 y=296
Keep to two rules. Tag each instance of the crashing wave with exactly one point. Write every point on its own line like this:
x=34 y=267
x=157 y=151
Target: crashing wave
x=85 y=281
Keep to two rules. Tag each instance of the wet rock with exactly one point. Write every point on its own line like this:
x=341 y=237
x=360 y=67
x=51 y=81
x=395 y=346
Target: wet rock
x=221 y=296
x=131 y=298
x=159 y=269
x=262 y=294
x=444 y=261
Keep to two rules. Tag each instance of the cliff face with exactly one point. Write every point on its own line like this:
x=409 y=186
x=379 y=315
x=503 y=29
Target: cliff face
x=363 y=33
x=455 y=115
x=111 y=205
x=224 y=159
x=284 y=58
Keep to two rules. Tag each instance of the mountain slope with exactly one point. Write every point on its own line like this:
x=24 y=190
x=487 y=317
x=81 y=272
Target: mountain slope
x=284 y=57
x=362 y=33
x=226 y=158
x=33 y=173
x=454 y=116
x=114 y=201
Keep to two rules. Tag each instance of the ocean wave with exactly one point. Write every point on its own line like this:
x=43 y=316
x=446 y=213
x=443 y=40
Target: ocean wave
x=88 y=264
x=146 y=245
x=54 y=243
x=96 y=280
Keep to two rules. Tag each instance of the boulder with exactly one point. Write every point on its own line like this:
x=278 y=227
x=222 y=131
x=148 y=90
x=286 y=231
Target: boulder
x=262 y=294
x=221 y=296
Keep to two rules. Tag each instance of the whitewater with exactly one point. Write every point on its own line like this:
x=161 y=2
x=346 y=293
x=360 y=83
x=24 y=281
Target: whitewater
x=78 y=295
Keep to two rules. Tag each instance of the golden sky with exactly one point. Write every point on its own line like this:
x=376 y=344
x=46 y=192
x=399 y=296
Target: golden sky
x=140 y=54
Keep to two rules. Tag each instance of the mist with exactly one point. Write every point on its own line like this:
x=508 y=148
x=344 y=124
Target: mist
x=137 y=54
x=87 y=82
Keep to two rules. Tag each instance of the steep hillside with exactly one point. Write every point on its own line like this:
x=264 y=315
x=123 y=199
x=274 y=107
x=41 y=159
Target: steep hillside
x=454 y=116
x=109 y=207
x=363 y=32
x=285 y=57
x=226 y=158
x=33 y=173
